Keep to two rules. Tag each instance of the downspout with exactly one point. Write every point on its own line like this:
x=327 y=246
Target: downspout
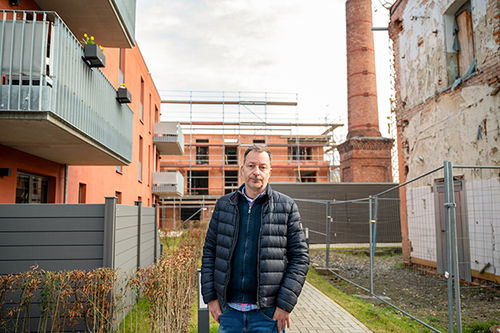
x=65 y=183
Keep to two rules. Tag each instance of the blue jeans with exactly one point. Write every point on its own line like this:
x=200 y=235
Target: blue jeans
x=255 y=321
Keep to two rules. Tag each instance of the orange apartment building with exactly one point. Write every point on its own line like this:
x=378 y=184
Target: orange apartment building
x=64 y=135
x=215 y=142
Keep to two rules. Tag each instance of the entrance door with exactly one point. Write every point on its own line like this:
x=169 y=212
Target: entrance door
x=462 y=230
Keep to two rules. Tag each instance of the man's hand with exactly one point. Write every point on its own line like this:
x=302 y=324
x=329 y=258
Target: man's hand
x=214 y=308
x=283 y=319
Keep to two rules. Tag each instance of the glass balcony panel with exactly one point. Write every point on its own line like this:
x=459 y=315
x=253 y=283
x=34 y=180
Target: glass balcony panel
x=168 y=184
x=169 y=139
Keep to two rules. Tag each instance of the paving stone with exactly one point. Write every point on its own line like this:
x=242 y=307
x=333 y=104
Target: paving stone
x=316 y=313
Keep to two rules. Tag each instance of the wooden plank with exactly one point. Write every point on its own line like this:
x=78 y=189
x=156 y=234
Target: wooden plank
x=8 y=267
x=51 y=210
x=466 y=41
x=126 y=235
x=52 y=224
x=125 y=210
x=126 y=248
x=51 y=238
x=126 y=221
x=126 y=259
x=51 y=252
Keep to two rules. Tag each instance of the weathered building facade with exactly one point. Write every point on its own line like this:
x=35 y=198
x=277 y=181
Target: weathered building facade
x=447 y=68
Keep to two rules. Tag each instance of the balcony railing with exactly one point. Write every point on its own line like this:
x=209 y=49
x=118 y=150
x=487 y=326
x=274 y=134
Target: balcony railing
x=169 y=138
x=44 y=78
x=168 y=184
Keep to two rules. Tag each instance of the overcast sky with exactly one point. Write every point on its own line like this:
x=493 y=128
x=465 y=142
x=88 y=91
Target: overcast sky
x=259 y=45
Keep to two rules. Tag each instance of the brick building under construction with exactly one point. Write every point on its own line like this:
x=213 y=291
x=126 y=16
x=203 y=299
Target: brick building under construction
x=215 y=129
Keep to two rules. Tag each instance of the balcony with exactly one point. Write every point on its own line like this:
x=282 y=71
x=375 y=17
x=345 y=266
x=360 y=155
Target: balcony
x=168 y=138
x=111 y=22
x=52 y=104
x=168 y=184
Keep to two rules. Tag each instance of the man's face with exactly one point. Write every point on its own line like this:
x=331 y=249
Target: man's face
x=256 y=171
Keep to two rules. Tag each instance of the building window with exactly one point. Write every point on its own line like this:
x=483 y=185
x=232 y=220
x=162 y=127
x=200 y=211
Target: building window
x=32 y=188
x=149 y=165
x=300 y=153
x=231 y=155
x=140 y=158
x=198 y=182
x=201 y=152
x=230 y=181
x=141 y=113
x=157 y=114
x=118 y=196
x=307 y=176
x=459 y=40
x=259 y=141
x=82 y=193
x=150 y=119
x=121 y=69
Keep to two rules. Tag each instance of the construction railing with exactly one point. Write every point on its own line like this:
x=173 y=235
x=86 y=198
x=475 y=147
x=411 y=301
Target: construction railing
x=445 y=275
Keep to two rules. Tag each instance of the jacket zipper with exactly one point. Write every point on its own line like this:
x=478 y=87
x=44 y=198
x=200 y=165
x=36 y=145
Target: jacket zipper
x=258 y=255
x=246 y=240
x=235 y=239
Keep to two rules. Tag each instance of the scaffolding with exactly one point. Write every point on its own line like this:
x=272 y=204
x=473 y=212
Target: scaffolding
x=218 y=126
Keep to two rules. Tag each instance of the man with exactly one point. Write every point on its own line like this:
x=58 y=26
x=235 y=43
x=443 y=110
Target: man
x=255 y=257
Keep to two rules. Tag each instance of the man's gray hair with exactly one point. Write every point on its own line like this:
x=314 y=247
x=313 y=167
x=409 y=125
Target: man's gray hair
x=257 y=149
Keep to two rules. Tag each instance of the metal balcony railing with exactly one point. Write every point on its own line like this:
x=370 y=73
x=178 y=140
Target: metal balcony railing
x=42 y=70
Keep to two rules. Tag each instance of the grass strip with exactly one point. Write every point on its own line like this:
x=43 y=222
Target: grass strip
x=381 y=318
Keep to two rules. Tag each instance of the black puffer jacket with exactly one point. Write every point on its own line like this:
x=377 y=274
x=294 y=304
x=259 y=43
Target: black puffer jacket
x=283 y=258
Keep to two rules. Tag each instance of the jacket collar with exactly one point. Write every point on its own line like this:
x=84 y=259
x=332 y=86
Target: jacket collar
x=235 y=197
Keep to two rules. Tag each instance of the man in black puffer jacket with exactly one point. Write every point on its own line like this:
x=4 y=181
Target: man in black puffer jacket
x=255 y=257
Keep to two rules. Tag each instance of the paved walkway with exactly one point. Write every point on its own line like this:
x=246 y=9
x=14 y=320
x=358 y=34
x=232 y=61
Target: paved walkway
x=316 y=313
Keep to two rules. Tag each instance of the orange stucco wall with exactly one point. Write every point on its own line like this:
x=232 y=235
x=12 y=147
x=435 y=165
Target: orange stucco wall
x=104 y=181
x=100 y=181
x=20 y=161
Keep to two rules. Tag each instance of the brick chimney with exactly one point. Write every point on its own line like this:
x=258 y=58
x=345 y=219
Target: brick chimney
x=365 y=156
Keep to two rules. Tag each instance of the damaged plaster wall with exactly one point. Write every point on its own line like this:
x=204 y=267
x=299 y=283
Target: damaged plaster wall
x=426 y=39
x=438 y=123
x=463 y=127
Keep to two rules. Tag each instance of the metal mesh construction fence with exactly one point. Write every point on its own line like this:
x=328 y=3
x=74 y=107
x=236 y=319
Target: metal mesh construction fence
x=445 y=274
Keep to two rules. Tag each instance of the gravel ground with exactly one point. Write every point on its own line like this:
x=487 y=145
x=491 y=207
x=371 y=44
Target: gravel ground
x=421 y=294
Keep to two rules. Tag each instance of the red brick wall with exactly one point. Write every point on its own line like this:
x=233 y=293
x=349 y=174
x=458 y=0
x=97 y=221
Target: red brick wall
x=283 y=169
x=361 y=78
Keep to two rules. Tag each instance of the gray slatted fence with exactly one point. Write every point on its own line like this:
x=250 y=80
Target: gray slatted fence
x=77 y=237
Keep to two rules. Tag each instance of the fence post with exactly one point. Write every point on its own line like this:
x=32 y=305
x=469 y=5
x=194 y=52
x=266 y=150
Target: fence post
x=203 y=313
x=373 y=237
x=449 y=269
x=139 y=217
x=453 y=266
x=108 y=259
x=328 y=233
x=155 y=234
x=370 y=217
